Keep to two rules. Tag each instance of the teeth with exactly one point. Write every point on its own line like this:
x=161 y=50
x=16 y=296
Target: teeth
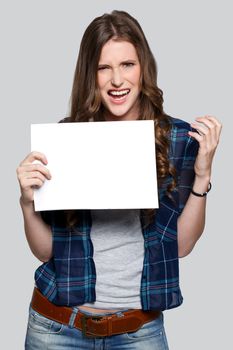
x=119 y=93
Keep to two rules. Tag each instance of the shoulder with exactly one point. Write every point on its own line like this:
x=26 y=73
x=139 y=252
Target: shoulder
x=182 y=145
x=179 y=131
x=179 y=126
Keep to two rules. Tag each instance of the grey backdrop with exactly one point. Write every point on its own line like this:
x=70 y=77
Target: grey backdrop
x=192 y=44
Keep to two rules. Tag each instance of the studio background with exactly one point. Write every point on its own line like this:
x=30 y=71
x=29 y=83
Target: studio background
x=192 y=44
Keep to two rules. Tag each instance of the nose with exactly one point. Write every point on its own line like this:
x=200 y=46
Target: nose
x=117 y=78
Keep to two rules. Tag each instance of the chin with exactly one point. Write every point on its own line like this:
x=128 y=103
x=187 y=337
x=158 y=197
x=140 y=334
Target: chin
x=118 y=116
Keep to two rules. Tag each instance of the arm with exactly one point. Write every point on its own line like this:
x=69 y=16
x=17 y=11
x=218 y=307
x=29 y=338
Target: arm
x=38 y=233
x=191 y=222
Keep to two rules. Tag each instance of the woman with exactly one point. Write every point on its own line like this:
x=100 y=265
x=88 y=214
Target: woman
x=85 y=296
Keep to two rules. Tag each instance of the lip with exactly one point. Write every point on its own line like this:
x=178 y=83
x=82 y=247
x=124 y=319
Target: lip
x=115 y=100
x=119 y=90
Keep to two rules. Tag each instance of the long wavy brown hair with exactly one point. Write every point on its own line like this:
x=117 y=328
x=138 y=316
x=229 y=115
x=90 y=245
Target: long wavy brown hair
x=85 y=102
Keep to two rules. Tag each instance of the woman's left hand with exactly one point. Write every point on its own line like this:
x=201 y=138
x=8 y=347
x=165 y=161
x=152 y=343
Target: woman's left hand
x=208 y=134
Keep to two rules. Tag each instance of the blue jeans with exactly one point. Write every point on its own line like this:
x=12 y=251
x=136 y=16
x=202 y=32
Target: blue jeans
x=45 y=334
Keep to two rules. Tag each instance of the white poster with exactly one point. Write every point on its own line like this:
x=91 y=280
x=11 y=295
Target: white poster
x=97 y=165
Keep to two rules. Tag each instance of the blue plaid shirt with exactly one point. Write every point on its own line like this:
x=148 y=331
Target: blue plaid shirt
x=69 y=277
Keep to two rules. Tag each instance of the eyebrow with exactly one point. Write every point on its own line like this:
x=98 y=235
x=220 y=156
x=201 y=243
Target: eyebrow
x=129 y=60
x=122 y=62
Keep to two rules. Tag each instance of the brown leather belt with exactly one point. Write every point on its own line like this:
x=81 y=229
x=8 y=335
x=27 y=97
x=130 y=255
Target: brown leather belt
x=93 y=325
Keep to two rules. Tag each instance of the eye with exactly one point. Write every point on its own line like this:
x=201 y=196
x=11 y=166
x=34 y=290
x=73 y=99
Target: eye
x=102 y=67
x=128 y=64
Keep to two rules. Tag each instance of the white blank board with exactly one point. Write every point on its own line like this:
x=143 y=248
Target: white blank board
x=97 y=165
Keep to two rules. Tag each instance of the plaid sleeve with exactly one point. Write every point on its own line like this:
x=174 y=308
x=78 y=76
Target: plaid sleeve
x=54 y=217
x=47 y=216
x=187 y=174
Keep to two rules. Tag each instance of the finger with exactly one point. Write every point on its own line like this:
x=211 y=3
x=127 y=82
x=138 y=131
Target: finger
x=208 y=141
x=218 y=127
x=214 y=120
x=196 y=136
x=202 y=130
x=28 y=183
x=28 y=167
x=212 y=134
x=212 y=124
x=32 y=175
x=215 y=131
x=207 y=122
x=34 y=155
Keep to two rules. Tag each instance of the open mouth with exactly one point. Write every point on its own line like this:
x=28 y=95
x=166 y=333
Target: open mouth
x=118 y=94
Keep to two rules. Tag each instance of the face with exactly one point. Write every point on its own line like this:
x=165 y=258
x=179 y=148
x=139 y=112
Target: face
x=119 y=80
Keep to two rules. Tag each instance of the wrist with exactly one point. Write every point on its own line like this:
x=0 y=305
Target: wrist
x=26 y=204
x=201 y=184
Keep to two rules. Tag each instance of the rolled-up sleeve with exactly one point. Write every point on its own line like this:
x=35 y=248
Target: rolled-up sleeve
x=47 y=216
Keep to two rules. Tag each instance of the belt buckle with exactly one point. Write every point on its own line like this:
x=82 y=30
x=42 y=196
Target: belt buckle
x=84 y=325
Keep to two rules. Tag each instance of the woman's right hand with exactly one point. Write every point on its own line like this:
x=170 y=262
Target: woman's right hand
x=32 y=175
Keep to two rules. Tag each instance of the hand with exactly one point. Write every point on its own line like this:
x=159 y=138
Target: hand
x=208 y=134
x=31 y=175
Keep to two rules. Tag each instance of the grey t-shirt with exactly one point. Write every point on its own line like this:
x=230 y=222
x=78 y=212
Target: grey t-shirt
x=118 y=254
